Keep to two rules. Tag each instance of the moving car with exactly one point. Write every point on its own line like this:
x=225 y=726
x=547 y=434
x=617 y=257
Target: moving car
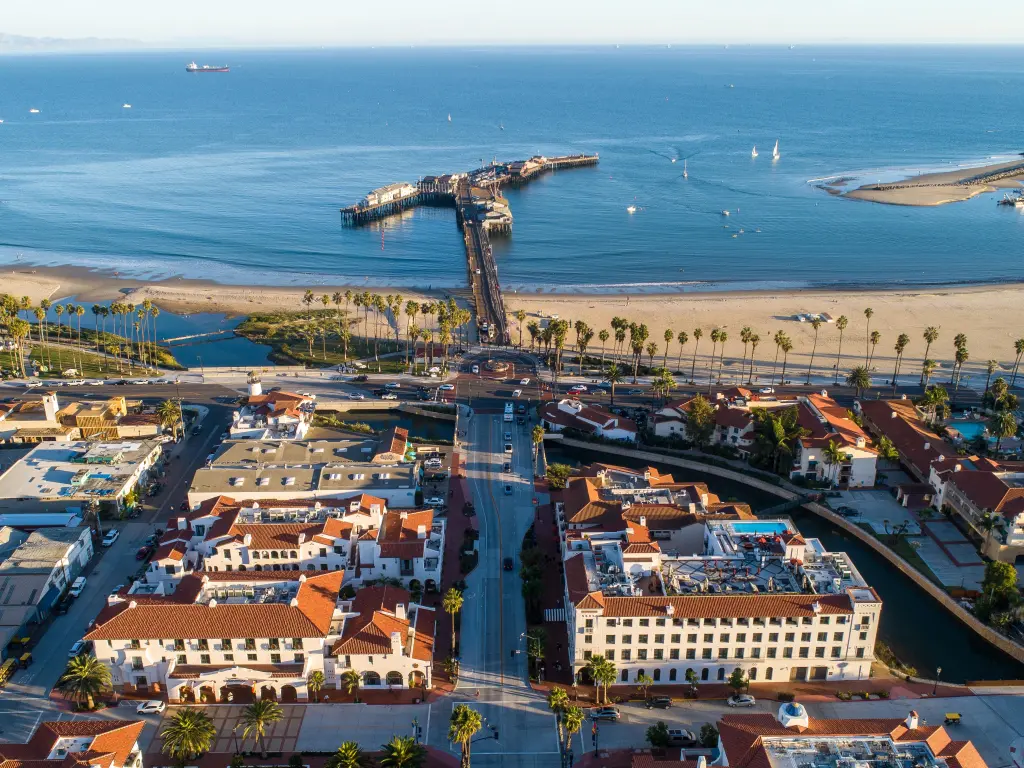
x=356 y=396
x=508 y=564
x=741 y=700
x=150 y=708
x=659 y=702
x=767 y=390
x=605 y=713
x=508 y=436
x=34 y=384
x=578 y=388
x=517 y=392
x=507 y=466
x=392 y=385
x=435 y=501
x=77 y=586
x=79 y=648
x=389 y=396
x=524 y=382
x=446 y=387
x=634 y=392
x=360 y=378
x=143 y=552
x=432 y=464
x=110 y=537
x=508 y=447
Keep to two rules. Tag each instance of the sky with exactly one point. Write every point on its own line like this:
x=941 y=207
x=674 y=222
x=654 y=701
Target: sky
x=459 y=22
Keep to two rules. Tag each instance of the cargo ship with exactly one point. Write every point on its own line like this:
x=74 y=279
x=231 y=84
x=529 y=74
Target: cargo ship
x=193 y=67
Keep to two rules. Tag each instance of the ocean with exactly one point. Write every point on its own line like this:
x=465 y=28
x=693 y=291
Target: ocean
x=238 y=177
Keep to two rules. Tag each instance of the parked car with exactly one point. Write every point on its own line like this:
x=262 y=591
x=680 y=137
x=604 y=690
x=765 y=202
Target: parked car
x=678 y=737
x=361 y=377
x=150 y=708
x=433 y=464
x=392 y=385
x=77 y=586
x=506 y=467
x=767 y=390
x=508 y=564
x=110 y=537
x=659 y=702
x=508 y=489
x=144 y=552
x=847 y=511
x=604 y=713
x=741 y=700
x=524 y=382
x=578 y=388
x=634 y=391
x=389 y=396
x=34 y=384
x=435 y=501
x=508 y=437
x=80 y=648
x=63 y=605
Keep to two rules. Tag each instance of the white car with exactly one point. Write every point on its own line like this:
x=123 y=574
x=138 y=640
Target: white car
x=389 y=396
x=357 y=396
x=34 y=384
x=110 y=537
x=475 y=369
x=435 y=501
x=517 y=392
x=74 y=383
x=767 y=390
x=508 y=447
x=77 y=587
x=96 y=382
x=508 y=437
x=741 y=700
x=524 y=382
x=150 y=708
x=446 y=387
x=578 y=388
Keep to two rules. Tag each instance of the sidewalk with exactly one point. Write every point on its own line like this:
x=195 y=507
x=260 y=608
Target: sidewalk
x=557 y=646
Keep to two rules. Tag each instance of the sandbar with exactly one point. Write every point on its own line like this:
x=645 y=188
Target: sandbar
x=930 y=189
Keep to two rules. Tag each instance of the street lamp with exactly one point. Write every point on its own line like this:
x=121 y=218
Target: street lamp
x=938 y=673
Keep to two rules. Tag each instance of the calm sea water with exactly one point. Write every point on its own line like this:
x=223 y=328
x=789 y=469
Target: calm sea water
x=238 y=177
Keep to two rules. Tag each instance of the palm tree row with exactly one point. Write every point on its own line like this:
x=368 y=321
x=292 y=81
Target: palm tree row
x=631 y=340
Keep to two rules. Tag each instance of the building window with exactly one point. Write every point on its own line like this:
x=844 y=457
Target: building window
x=824 y=619
x=753 y=673
x=823 y=637
x=300 y=658
x=723 y=653
x=225 y=644
x=204 y=658
x=627 y=622
x=275 y=644
x=819 y=653
x=641 y=654
x=741 y=637
x=645 y=622
x=659 y=654
x=840 y=619
x=251 y=656
x=229 y=657
x=709 y=638
x=705 y=653
x=673 y=653
x=691 y=653
x=860 y=653
x=755 y=653
x=323 y=551
x=182 y=658
x=672 y=675
x=657 y=675
x=588 y=639
x=771 y=652
x=836 y=652
x=589 y=624
x=805 y=653
x=773 y=637
x=659 y=639
x=136 y=662
x=204 y=645
x=837 y=637
x=610 y=639
x=586 y=655
x=626 y=654
x=275 y=658
x=676 y=639
x=787 y=653
x=250 y=644
x=136 y=645
x=643 y=640
x=179 y=645
x=768 y=674
x=863 y=635
x=691 y=638
x=739 y=653
x=627 y=639
x=757 y=637
x=610 y=654
x=805 y=637
x=724 y=637
x=625 y=675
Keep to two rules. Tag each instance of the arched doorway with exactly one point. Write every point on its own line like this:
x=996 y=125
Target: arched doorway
x=236 y=694
x=704 y=673
x=371 y=678
x=289 y=694
x=417 y=680
x=268 y=693
x=721 y=673
x=394 y=679
x=207 y=695
x=187 y=695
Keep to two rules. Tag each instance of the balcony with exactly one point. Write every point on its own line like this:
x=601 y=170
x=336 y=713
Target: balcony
x=138 y=666
x=431 y=564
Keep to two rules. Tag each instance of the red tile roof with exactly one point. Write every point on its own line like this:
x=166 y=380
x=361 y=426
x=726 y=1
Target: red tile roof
x=370 y=631
x=399 y=533
x=727 y=606
x=908 y=433
x=578 y=584
x=988 y=491
x=111 y=745
x=309 y=617
x=838 y=426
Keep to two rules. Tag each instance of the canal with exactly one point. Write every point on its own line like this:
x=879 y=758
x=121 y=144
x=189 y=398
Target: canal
x=919 y=631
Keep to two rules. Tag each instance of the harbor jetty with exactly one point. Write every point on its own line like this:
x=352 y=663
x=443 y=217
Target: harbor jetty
x=480 y=211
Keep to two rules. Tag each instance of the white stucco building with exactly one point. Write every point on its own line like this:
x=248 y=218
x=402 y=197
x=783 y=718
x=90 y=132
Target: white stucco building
x=828 y=422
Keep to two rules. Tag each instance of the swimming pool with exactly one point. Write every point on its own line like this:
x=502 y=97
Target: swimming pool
x=754 y=528
x=969 y=429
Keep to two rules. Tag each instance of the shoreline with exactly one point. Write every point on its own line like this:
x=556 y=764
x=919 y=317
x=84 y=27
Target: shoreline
x=941 y=187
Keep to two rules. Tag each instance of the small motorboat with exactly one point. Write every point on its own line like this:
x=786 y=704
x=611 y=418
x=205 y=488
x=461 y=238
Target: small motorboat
x=631 y=209
x=33 y=111
x=126 y=106
x=725 y=213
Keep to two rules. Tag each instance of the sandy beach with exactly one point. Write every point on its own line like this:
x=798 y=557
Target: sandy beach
x=944 y=187
x=991 y=316
x=174 y=295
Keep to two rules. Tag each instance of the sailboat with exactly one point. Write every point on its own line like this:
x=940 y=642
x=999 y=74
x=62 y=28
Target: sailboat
x=686 y=175
x=449 y=117
x=775 y=152
x=753 y=152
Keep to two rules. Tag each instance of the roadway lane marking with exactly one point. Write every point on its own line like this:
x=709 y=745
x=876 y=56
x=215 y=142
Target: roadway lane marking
x=501 y=567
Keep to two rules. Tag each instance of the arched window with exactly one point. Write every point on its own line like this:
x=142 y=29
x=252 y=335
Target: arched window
x=394 y=678
x=753 y=673
x=768 y=674
x=639 y=673
x=721 y=673
x=657 y=675
x=259 y=567
x=672 y=675
x=273 y=555
x=371 y=678
x=704 y=673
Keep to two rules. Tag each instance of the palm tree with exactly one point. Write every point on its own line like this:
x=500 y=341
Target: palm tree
x=452 y=604
x=520 y=316
x=860 y=378
x=927 y=369
x=682 y=338
x=572 y=722
x=901 y=345
x=875 y=338
x=931 y=335
x=833 y=457
x=40 y=314
x=755 y=339
x=775 y=434
x=644 y=683
x=988 y=523
x=349 y=755
x=464 y=723
x=669 y=335
x=886 y=450
x=79 y=311
x=1002 y=424
x=45 y=305
x=778 y=338
x=20 y=329
x=256 y=718
x=351 y=680
x=990 y=368
x=613 y=375
x=170 y=414
x=536 y=438
x=308 y=298
x=403 y=752
x=594 y=664
x=815 y=324
x=745 y=335
x=315 y=682
x=962 y=356
x=868 y=314
x=787 y=347
x=1018 y=347
x=85 y=678
x=603 y=335
x=558 y=700
x=715 y=335
x=697 y=333
x=841 y=324
x=663 y=383
x=188 y=733
x=606 y=675
x=59 y=310
x=722 y=337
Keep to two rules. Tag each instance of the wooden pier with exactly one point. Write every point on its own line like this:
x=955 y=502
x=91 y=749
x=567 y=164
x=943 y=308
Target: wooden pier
x=480 y=211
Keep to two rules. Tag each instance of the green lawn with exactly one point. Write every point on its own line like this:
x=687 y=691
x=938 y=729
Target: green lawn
x=903 y=549
x=89 y=365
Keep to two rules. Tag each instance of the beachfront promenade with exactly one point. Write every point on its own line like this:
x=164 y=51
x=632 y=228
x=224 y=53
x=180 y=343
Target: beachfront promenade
x=480 y=211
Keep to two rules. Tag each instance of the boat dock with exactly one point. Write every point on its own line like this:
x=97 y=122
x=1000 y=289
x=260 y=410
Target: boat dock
x=480 y=211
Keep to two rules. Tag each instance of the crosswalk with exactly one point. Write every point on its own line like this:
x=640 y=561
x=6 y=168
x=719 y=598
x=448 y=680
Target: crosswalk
x=554 y=614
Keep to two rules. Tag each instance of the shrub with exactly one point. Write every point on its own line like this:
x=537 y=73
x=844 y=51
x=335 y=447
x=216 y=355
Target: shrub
x=657 y=735
x=785 y=696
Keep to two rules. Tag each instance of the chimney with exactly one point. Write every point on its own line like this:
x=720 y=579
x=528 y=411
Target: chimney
x=912 y=720
x=302 y=538
x=50 y=406
x=421 y=532
x=213 y=602
x=702 y=762
x=247 y=539
x=956 y=467
x=396 y=643
x=643 y=521
x=400 y=611
x=294 y=602
x=892 y=415
x=403 y=515
x=182 y=523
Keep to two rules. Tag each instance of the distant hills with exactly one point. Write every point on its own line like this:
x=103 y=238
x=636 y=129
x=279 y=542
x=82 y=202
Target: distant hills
x=22 y=44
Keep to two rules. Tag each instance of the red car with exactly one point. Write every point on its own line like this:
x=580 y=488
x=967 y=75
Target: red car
x=144 y=552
